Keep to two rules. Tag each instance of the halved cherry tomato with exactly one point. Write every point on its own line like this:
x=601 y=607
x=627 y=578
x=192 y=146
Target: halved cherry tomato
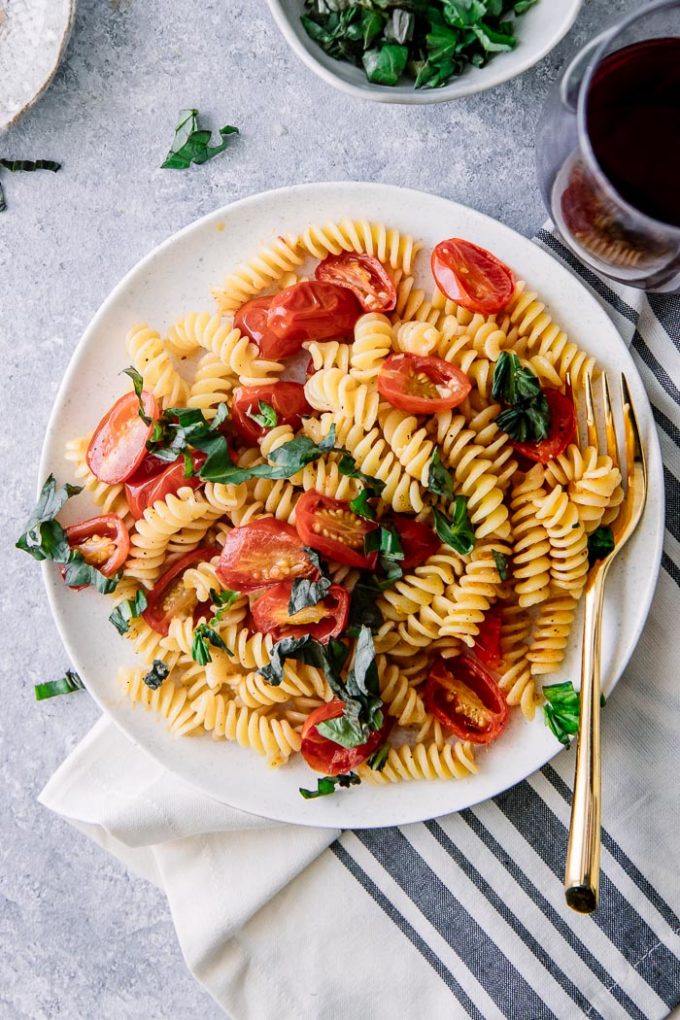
x=324 y=755
x=155 y=479
x=169 y=597
x=488 y=641
x=311 y=310
x=331 y=527
x=418 y=541
x=422 y=384
x=325 y=620
x=287 y=398
x=251 y=319
x=263 y=553
x=464 y=696
x=471 y=276
x=103 y=542
x=562 y=429
x=118 y=445
x=364 y=275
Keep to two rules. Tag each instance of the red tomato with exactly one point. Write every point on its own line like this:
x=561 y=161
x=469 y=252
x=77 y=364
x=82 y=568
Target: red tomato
x=103 y=542
x=312 y=310
x=562 y=429
x=488 y=641
x=325 y=620
x=364 y=275
x=422 y=384
x=169 y=597
x=287 y=398
x=155 y=479
x=263 y=553
x=472 y=276
x=464 y=696
x=251 y=319
x=324 y=755
x=331 y=527
x=417 y=540
x=118 y=445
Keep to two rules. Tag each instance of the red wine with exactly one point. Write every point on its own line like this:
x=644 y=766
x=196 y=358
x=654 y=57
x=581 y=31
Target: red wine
x=633 y=122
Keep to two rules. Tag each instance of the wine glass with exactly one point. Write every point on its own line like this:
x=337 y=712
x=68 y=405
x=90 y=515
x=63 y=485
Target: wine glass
x=608 y=150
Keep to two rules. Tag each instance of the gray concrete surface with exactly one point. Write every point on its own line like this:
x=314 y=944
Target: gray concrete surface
x=79 y=937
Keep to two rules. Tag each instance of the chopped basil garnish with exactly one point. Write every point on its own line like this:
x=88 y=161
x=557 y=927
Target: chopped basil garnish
x=127 y=611
x=457 y=532
x=326 y=785
x=330 y=658
x=44 y=538
x=267 y=418
x=156 y=675
x=562 y=710
x=25 y=165
x=306 y=593
x=205 y=635
x=439 y=480
x=348 y=467
x=385 y=541
x=191 y=144
x=363 y=608
x=224 y=600
x=526 y=417
x=600 y=543
x=501 y=561
x=78 y=573
x=138 y=383
x=69 y=683
x=361 y=506
x=378 y=758
x=361 y=694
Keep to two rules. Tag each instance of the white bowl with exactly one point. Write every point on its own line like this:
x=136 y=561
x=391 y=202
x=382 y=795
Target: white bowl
x=539 y=31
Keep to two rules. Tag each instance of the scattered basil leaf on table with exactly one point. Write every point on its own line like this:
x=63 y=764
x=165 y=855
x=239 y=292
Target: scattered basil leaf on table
x=191 y=144
x=25 y=166
x=69 y=683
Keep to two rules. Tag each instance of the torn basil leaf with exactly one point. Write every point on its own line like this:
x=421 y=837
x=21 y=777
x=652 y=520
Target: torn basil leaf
x=191 y=144
x=439 y=480
x=138 y=384
x=205 y=635
x=306 y=593
x=25 y=165
x=43 y=537
x=348 y=467
x=385 y=541
x=526 y=417
x=360 y=505
x=326 y=785
x=330 y=658
x=363 y=706
x=69 y=683
x=600 y=544
x=379 y=758
x=267 y=418
x=386 y=64
x=501 y=561
x=78 y=573
x=157 y=674
x=363 y=608
x=127 y=611
x=458 y=531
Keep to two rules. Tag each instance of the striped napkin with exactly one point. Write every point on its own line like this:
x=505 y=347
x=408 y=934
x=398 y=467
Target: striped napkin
x=459 y=917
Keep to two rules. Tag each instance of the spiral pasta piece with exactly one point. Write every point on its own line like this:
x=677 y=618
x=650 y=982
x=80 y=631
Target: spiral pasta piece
x=170 y=701
x=258 y=273
x=495 y=443
x=401 y=699
x=568 y=540
x=212 y=385
x=531 y=563
x=424 y=761
x=150 y=357
x=475 y=591
x=111 y=498
x=372 y=343
x=203 y=579
x=516 y=680
x=413 y=303
x=274 y=738
x=225 y=497
x=302 y=682
x=592 y=481
x=387 y=244
x=546 y=340
x=551 y=633
x=416 y=338
x=276 y=497
x=330 y=354
x=332 y=390
x=418 y=589
x=182 y=337
x=236 y=351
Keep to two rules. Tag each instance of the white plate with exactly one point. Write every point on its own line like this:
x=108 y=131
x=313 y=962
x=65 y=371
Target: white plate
x=538 y=31
x=177 y=277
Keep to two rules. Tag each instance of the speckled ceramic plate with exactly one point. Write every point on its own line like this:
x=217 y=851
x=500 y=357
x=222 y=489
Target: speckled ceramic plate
x=176 y=277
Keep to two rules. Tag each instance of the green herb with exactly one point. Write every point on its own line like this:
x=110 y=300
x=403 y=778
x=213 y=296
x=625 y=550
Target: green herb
x=361 y=506
x=267 y=418
x=600 y=544
x=138 y=384
x=526 y=417
x=385 y=66
x=43 y=537
x=348 y=467
x=326 y=785
x=204 y=635
x=25 y=165
x=363 y=705
x=379 y=758
x=501 y=561
x=458 y=531
x=191 y=144
x=363 y=608
x=188 y=465
x=385 y=541
x=156 y=675
x=224 y=600
x=562 y=710
x=307 y=593
x=66 y=685
x=127 y=611
x=78 y=573
x=439 y=480
x=330 y=658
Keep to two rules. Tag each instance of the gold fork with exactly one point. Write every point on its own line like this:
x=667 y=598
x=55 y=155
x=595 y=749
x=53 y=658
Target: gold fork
x=582 y=871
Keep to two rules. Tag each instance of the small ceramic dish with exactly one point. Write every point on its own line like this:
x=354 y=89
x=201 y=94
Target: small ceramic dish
x=539 y=31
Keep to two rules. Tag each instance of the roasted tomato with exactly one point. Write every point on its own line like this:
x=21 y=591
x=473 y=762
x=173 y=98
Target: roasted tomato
x=418 y=541
x=324 y=755
x=287 y=398
x=422 y=384
x=562 y=429
x=325 y=620
x=488 y=641
x=471 y=276
x=251 y=319
x=118 y=445
x=155 y=479
x=364 y=275
x=464 y=696
x=312 y=310
x=169 y=597
x=261 y=554
x=103 y=542
x=331 y=527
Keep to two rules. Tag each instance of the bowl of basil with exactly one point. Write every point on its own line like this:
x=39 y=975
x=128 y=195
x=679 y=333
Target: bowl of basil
x=421 y=51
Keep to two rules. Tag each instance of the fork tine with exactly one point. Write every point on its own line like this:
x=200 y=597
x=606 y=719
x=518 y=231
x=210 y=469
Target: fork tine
x=591 y=424
x=609 y=424
x=634 y=451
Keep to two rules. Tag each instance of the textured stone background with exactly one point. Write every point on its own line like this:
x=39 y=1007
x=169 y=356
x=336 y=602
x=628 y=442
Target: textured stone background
x=80 y=938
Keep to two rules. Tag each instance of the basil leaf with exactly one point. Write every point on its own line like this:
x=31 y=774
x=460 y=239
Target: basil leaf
x=326 y=785
x=156 y=675
x=385 y=541
x=399 y=28
x=315 y=559
x=43 y=537
x=378 y=759
x=384 y=66
x=330 y=658
x=267 y=418
x=138 y=384
x=439 y=480
x=191 y=144
x=348 y=467
x=28 y=165
x=78 y=573
x=501 y=561
x=512 y=382
x=343 y=731
x=600 y=544
x=457 y=532
x=291 y=457
x=360 y=505
x=3 y=203
x=204 y=635
x=306 y=593
x=224 y=600
x=127 y=611
x=494 y=41
x=527 y=415
x=66 y=685
x=363 y=608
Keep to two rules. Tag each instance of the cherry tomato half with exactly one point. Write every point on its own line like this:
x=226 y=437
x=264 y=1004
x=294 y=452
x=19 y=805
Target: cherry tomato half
x=287 y=398
x=312 y=310
x=488 y=641
x=155 y=479
x=324 y=755
x=364 y=275
x=562 y=429
x=103 y=542
x=418 y=541
x=169 y=597
x=471 y=276
x=118 y=445
x=465 y=697
x=251 y=319
x=331 y=527
x=325 y=620
x=422 y=384
x=263 y=553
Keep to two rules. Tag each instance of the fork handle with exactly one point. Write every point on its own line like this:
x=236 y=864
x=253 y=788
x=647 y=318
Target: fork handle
x=582 y=871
